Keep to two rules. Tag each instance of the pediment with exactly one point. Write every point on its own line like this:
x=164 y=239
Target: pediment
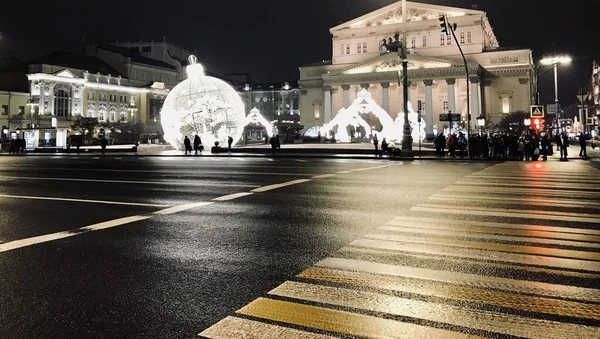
x=392 y=14
x=391 y=62
x=65 y=73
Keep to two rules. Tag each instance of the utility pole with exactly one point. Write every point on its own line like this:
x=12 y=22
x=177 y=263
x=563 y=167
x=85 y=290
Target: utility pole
x=402 y=53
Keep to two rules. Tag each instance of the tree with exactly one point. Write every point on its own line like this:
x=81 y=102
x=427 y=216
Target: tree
x=85 y=126
x=513 y=122
x=113 y=127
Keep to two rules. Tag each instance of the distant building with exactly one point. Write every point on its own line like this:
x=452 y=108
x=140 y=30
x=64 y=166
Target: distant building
x=500 y=80
x=593 y=102
x=278 y=103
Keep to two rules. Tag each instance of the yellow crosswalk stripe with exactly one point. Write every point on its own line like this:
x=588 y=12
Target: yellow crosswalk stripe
x=503 y=229
x=533 y=250
x=464 y=261
x=498 y=212
x=528 y=227
x=464 y=279
x=233 y=327
x=511 y=200
x=488 y=237
x=341 y=321
x=421 y=246
x=442 y=313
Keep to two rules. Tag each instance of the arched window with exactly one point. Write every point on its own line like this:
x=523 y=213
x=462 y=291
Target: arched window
x=61 y=103
x=424 y=41
x=445 y=106
x=505 y=105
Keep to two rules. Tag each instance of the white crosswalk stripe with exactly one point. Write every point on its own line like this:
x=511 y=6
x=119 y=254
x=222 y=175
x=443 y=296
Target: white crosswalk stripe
x=512 y=250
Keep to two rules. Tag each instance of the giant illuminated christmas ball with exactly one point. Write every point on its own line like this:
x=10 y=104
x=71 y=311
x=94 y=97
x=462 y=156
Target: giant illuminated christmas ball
x=202 y=105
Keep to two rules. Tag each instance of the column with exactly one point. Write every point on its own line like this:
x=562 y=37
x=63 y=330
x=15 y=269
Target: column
x=327 y=104
x=451 y=95
x=385 y=98
x=475 y=103
x=365 y=86
x=428 y=106
x=346 y=95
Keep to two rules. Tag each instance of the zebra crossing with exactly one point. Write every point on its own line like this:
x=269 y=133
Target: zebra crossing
x=509 y=251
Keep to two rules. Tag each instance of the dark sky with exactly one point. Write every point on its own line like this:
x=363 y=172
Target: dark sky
x=271 y=38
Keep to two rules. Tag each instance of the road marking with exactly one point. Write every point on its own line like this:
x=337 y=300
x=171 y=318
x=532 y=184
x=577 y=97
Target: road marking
x=516 y=201
x=480 y=254
x=276 y=186
x=66 y=234
x=519 y=230
x=96 y=158
x=369 y=168
x=431 y=232
x=81 y=200
x=341 y=322
x=181 y=208
x=232 y=196
x=523 y=191
x=176 y=183
x=300 y=160
x=238 y=328
x=323 y=176
x=498 y=225
x=442 y=313
x=343 y=172
x=490 y=184
x=465 y=279
x=498 y=212
x=117 y=158
x=478 y=245
x=527 y=179
x=170 y=171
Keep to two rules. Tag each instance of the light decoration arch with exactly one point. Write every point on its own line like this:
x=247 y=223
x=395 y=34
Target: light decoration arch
x=255 y=118
x=202 y=105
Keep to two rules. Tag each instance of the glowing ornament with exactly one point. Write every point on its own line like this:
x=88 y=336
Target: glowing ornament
x=202 y=105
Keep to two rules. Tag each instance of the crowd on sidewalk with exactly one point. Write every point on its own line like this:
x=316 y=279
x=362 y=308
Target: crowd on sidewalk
x=526 y=146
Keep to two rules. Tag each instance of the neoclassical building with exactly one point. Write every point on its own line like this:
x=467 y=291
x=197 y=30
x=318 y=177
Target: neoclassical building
x=501 y=80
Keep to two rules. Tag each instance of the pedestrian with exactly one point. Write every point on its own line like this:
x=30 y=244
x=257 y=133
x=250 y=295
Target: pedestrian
x=197 y=144
x=563 y=146
x=376 y=144
x=384 y=148
x=229 y=142
x=582 y=145
x=545 y=142
x=103 y=143
x=187 y=145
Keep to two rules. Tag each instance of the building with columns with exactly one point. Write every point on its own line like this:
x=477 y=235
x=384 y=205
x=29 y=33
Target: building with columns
x=501 y=80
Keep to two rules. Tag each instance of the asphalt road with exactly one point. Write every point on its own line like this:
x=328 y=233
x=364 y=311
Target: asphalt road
x=170 y=247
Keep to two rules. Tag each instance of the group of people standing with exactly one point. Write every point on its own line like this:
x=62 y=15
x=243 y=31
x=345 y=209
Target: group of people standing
x=187 y=144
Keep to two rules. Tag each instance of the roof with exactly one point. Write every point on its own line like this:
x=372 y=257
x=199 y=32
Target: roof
x=77 y=61
x=320 y=63
x=137 y=57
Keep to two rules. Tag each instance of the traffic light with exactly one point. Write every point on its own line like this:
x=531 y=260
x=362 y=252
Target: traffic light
x=444 y=24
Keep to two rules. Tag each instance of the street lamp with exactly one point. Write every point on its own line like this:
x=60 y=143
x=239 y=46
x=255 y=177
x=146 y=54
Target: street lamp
x=481 y=123
x=554 y=61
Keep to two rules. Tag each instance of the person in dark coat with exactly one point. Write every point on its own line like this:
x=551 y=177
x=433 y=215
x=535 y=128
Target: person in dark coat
x=103 y=143
x=187 y=145
x=229 y=142
x=563 y=146
x=197 y=143
x=582 y=145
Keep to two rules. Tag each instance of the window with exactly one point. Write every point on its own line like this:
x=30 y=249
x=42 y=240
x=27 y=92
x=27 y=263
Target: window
x=364 y=47
x=505 y=105
x=160 y=78
x=133 y=75
x=113 y=113
x=424 y=41
x=113 y=98
x=21 y=110
x=143 y=76
x=343 y=49
x=413 y=42
x=462 y=37
x=469 y=37
x=123 y=99
x=102 y=111
x=445 y=106
x=449 y=39
x=123 y=117
x=102 y=96
x=91 y=110
x=442 y=39
x=347 y=48
x=61 y=103
x=168 y=80
x=4 y=109
x=359 y=48
x=91 y=95
x=317 y=111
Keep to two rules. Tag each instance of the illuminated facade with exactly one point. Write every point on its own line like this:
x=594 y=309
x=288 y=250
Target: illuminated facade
x=593 y=108
x=65 y=86
x=501 y=81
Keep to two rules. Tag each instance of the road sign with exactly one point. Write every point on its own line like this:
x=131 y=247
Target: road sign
x=552 y=109
x=450 y=117
x=536 y=111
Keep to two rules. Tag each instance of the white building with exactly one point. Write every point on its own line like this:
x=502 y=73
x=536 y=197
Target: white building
x=501 y=80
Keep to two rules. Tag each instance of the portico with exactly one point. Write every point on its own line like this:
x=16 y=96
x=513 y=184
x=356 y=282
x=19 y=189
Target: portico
x=436 y=72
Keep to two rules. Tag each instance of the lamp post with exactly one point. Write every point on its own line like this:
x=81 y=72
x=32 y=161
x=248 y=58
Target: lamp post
x=554 y=61
x=402 y=53
x=481 y=123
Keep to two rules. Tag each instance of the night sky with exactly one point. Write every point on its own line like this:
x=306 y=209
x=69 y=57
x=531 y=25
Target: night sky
x=271 y=38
